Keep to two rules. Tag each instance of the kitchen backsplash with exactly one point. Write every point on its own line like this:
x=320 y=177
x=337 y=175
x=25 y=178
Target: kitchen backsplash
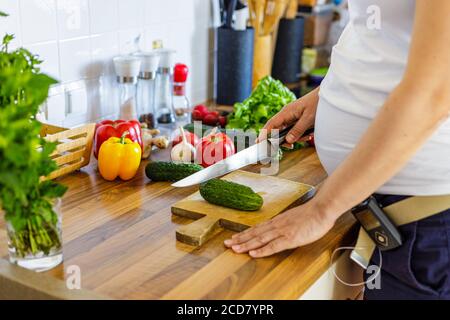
x=78 y=38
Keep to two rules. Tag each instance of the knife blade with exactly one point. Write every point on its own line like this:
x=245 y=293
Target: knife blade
x=251 y=155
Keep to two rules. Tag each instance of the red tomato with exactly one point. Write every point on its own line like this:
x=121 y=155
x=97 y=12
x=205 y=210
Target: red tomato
x=202 y=109
x=191 y=138
x=213 y=148
x=197 y=115
x=211 y=119
x=223 y=121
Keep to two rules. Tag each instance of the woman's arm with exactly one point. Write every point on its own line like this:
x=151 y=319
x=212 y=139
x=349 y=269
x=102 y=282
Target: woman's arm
x=408 y=118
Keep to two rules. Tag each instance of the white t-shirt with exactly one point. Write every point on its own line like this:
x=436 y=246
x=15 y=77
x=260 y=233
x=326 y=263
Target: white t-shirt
x=366 y=65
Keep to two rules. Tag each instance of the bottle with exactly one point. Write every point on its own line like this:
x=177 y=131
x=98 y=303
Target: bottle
x=146 y=88
x=181 y=103
x=127 y=70
x=163 y=89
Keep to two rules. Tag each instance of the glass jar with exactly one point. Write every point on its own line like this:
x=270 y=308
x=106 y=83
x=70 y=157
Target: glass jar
x=163 y=99
x=146 y=101
x=38 y=246
x=127 y=99
x=181 y=103
x=127 y=70
x=146 y=87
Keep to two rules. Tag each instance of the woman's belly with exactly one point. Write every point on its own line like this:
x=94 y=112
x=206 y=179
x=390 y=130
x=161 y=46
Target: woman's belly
x=428 y=173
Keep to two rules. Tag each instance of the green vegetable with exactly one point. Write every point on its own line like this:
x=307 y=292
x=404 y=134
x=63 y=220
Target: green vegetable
x=230 y=194
x=320 y=72
x=169 y=171
x=26 y=200
x=266 y=100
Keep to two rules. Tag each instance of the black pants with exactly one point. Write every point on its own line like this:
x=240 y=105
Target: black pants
x=420 y=268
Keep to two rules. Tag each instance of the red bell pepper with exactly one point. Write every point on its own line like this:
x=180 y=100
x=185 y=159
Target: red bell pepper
x=108 y=128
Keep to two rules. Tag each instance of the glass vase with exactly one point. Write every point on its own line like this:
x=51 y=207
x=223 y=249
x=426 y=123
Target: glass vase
x=38 y=246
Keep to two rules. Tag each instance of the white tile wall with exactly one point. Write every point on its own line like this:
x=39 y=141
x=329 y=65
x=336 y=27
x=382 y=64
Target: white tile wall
x=37 y=19
x=103 y=15
x=11 y=25
x=78 y=38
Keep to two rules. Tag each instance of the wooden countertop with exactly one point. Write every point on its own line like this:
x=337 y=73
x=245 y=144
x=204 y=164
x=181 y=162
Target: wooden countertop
x=122 y=236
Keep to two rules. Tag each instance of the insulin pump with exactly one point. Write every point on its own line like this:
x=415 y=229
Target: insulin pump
x=377 y=224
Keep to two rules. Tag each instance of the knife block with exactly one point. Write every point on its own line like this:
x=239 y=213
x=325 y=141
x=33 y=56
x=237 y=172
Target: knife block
x=234 y=65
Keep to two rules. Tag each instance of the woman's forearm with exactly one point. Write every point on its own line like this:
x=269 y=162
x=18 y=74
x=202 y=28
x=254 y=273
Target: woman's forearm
x=402 y=126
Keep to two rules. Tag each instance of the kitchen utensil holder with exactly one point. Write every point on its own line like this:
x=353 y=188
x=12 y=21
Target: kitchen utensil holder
x=263 y=58
x=73 y=149
x=288 y=50
x=234 y=65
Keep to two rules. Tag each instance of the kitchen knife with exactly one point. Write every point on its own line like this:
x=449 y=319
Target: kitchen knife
x=258 y=152
x=230 y=12
x=217 y=13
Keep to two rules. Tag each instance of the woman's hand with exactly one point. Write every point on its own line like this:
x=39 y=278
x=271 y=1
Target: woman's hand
x=302 y=111
x=294 y=228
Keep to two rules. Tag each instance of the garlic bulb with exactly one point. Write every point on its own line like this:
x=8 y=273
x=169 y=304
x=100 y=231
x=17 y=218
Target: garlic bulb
x=184 y=151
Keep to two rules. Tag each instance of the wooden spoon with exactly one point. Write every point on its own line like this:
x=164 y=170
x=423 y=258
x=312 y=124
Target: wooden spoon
x=291 y=12
x=259 y=10
x=274 y=12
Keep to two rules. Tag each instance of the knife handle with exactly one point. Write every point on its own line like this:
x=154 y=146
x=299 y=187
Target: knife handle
x=283 y=133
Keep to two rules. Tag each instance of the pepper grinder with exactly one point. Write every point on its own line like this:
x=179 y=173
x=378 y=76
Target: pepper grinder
x=163 y=99
x=181 y=103
x=127 y=70
x=146 y=87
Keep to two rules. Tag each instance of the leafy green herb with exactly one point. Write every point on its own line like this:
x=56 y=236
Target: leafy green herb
x=266 y=100
x=25 y=157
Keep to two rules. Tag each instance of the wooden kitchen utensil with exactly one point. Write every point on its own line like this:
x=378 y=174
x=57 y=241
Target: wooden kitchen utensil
x=259 y=7
x=251 y=12
x=274 y=11
x=292 y=8
x=73 y=149
x=263 y=56
x=278 y=194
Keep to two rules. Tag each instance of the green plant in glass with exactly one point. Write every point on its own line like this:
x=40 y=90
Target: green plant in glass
x=25 y=198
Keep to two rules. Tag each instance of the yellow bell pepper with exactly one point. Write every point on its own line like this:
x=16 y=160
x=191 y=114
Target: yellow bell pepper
x=119 y=157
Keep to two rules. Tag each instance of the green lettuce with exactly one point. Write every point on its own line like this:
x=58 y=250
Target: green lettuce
x=266 y=100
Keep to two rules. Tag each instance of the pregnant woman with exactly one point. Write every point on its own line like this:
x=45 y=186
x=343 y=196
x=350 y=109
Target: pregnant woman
x=382 y=128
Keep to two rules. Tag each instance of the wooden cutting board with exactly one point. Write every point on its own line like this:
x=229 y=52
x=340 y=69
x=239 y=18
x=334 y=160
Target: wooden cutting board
x=278 y=194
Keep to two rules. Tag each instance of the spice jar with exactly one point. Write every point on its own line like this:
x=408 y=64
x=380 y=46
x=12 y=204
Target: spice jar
x=163 y=98
x=127 y=69
x=181 y=103
x=146 y=87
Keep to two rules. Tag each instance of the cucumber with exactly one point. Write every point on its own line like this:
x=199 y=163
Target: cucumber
x=169 y=171
x=230 y=194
